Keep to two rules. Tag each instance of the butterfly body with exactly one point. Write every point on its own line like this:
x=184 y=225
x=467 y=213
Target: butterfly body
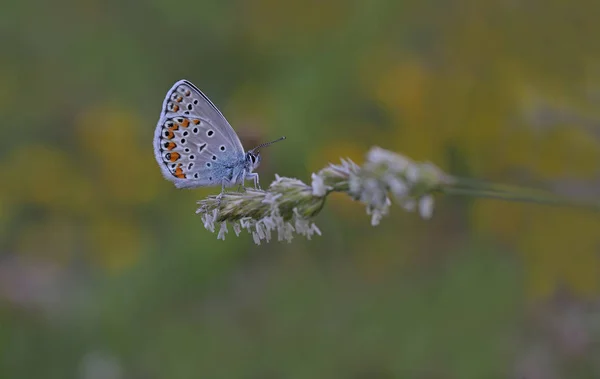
x=194 y=144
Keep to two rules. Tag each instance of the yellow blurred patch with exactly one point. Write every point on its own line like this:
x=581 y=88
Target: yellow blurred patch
x=115 y=242
x=120 y=158
x=5 y=214
x=502 y=219
x=559 y=245
x=402 y=90
x=560 y=248
x=421 y=143
x=567 y=150
x=41 y=175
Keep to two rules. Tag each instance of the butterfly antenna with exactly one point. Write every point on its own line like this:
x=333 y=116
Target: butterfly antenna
x=267 y=144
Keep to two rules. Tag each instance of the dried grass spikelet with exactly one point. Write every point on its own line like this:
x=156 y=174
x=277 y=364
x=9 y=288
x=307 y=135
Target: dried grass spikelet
x=289 y=205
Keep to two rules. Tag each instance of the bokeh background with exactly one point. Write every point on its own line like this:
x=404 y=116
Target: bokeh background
x=106 y=272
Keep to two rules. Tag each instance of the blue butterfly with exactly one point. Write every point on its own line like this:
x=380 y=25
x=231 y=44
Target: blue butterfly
x=195 y=146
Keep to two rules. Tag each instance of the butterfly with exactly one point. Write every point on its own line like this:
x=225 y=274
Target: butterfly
x=195 y=146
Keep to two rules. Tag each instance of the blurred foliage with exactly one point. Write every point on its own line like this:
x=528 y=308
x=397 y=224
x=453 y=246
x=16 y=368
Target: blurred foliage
x=499 y=90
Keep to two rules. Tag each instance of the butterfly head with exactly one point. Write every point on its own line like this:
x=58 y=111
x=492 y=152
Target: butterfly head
x=253 y=159
x=253 y=156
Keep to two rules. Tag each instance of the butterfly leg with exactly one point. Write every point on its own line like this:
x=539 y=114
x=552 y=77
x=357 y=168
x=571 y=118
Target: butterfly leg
x=241 y=181
x=224 y=184
x=254 y=176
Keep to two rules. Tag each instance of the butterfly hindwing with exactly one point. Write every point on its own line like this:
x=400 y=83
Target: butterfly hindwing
x=193 y=143
x=193 y=153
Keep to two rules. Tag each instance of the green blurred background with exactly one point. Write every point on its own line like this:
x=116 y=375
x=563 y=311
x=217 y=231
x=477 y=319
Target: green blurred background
x=106 y=272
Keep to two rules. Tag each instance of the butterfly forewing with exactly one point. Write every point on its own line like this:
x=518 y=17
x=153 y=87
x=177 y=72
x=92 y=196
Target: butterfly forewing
x=193 y=143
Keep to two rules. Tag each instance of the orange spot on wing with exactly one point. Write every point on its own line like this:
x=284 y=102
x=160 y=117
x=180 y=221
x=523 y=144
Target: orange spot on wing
x=179 y=172
x=196 y=121
x=170 y=134
x=179 y=99
x=185 y=123
x=174 y=127
x=175 y=107
x=171 y=145
x=174 y=156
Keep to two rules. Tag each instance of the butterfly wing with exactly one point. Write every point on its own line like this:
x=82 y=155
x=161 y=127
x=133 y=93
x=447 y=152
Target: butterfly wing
x=194 y=144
